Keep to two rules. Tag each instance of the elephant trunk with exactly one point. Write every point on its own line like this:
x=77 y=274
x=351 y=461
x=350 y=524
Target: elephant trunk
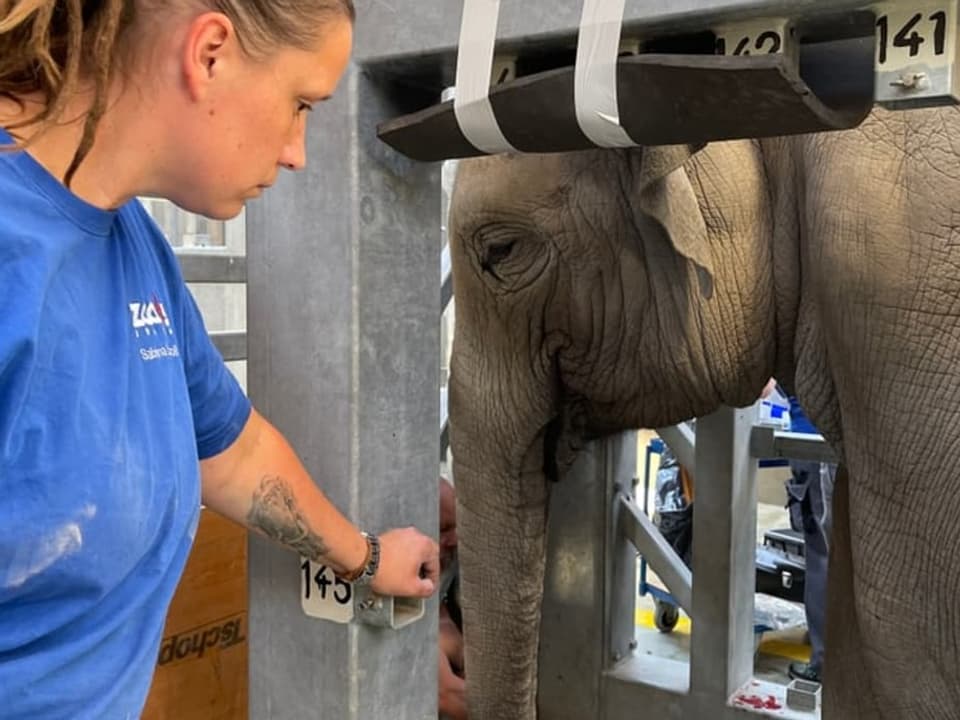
x=502 y=529
x=502 y=404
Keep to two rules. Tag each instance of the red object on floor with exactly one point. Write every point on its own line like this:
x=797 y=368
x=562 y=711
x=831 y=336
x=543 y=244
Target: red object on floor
x=770 y=702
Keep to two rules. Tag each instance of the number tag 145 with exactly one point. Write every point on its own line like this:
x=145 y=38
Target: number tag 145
x=323 y=595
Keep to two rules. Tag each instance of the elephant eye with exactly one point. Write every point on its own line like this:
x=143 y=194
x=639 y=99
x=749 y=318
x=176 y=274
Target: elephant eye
x=495 y=255
x=499 y=252
x=505 y=250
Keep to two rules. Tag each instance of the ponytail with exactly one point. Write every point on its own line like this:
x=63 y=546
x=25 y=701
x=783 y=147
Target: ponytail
x=45 y=45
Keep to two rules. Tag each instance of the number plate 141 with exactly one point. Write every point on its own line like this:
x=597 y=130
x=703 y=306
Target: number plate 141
x=916 y=60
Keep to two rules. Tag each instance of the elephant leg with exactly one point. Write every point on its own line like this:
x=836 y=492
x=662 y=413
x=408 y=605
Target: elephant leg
x=892 y=634
x=846 y=685
x=879 y=264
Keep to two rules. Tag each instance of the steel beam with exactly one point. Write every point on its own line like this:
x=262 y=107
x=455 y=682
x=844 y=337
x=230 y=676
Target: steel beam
x=590 y=585
x=212 y=267
x=232 y=345
x=658 y=553
x=429 y=30
x=659 y=687
x=767 y=443
x=724 y=542
x=343 y=310
x=682 y=440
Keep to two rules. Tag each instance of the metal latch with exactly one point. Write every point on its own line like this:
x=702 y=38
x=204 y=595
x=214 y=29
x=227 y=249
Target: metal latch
x=384 y=611
x=326 y=597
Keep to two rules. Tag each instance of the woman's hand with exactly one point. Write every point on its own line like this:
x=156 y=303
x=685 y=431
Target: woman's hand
x=409 y=564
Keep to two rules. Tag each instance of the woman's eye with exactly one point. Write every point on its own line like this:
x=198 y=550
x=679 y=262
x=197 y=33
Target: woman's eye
x=303 y=106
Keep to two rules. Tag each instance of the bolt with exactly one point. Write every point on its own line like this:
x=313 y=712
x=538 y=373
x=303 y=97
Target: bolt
x=912 y=81
x=633 y=644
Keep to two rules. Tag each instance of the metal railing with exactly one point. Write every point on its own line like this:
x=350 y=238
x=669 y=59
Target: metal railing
x=207 y=267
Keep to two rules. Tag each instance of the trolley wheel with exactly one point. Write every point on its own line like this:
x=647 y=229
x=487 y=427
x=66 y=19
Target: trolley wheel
x=666 y=616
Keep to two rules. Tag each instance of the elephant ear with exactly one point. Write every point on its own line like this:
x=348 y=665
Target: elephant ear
x=665 y=195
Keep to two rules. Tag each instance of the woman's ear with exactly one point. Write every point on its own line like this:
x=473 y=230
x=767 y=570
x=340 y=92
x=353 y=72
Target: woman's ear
x=665 y=195
x=206 y=45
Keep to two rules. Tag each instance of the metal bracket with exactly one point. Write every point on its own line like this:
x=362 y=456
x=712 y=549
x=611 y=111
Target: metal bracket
x=803 y=696
x=668 y=99
x=767 y=443
x=385 y=611
x=325 y=597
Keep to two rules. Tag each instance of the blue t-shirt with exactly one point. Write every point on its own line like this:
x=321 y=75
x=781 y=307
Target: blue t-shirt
x=110 y=393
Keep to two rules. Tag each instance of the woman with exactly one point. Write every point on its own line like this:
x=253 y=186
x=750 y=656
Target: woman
x=117 y=416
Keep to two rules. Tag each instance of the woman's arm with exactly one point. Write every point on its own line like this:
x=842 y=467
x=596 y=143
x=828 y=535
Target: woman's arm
x=259 y=481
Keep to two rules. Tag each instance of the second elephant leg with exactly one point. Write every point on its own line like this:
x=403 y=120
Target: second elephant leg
x=847 y=693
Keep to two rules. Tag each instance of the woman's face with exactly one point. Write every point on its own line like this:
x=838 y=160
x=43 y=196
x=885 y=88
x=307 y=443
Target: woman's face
x=250 y=122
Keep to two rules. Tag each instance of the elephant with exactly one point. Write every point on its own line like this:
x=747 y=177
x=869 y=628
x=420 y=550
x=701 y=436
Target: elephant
x=611 y=289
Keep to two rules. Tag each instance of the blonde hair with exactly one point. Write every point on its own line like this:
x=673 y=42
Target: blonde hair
x=48 y=47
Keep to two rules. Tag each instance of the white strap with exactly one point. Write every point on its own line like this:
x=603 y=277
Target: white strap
x=595 y=83
x=471 y=105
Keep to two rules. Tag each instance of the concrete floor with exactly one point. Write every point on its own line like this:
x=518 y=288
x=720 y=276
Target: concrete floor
x=777 y=649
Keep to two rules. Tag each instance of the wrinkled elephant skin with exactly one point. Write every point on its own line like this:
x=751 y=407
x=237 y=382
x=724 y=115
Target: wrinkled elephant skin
x=605 y=290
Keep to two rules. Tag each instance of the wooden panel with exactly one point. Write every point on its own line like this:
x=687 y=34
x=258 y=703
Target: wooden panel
x=202 y=669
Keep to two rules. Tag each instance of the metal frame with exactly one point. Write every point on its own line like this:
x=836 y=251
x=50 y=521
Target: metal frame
x=343 y=329
x=590 y=584
x=231 y=344
x=588 y=668
x=212 y=267
x=427 y=32
x=343 y=326
x=721 y=658
x=215 y=267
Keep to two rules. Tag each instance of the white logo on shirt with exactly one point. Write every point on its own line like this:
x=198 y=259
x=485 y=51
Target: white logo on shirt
x=149 y=317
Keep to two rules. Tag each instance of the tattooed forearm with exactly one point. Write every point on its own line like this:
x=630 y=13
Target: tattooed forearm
x=275 y=513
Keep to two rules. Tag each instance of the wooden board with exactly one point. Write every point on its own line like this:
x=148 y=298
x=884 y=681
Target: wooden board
x=202 y=668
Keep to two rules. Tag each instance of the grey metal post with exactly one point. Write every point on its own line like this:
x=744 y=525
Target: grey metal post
x=343 y=357
x=430 y=28
x=591 y=580
x=724 y=541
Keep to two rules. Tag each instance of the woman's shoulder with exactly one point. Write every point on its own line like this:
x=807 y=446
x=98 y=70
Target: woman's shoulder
x=144 y=233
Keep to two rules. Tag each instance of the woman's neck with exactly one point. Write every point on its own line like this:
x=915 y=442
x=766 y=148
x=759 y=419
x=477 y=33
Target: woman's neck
x=112 y=172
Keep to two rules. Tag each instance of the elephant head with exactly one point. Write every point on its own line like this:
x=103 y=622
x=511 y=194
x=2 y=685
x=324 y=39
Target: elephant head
x=595 y=291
